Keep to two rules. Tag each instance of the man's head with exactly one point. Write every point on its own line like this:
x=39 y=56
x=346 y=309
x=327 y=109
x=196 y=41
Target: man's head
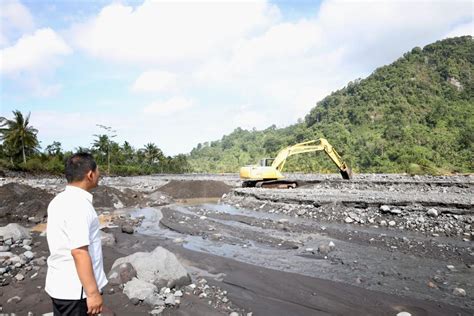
x=82 y=170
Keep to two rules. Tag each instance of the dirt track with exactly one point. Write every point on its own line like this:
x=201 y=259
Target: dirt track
x=373 y=245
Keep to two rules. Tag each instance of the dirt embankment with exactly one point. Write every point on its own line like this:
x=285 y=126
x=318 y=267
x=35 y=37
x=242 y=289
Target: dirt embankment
x=24 y=203
x=195 y=189
x=20 y=202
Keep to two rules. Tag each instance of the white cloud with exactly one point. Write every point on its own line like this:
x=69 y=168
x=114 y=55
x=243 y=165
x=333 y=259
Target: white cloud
x=290 y=66
x=170 y=106
x=162 y=32
x=14 y=16
x=249 y=118
x=156 y=81
x=462 y=29
x=33 y=52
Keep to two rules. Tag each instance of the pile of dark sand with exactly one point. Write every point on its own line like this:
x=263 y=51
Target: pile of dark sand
x=108 y=197
x=187 y=189
x=20 y=201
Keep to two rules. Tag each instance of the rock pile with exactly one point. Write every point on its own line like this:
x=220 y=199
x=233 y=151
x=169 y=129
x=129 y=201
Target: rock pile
x=428 y=220
x=18 y=261
x=159 y=280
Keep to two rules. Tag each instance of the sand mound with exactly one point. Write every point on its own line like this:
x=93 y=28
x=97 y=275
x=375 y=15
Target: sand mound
x=18 y=200
x=108 y=197
x=195 y=189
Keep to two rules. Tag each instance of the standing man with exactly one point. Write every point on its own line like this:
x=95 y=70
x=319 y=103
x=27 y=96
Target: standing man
x=75 y=275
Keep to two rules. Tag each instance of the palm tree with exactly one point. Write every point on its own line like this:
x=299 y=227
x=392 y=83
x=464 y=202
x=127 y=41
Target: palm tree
x=18 y=135
x=152 y=153
x=128 y=152
x=102 y=145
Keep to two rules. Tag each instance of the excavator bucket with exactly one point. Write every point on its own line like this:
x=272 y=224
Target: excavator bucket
x=346 y=173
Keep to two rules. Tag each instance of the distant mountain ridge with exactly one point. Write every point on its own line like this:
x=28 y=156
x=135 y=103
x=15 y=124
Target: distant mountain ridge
x=415 y=115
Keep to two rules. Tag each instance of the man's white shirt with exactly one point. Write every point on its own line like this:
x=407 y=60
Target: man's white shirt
x=72 y=223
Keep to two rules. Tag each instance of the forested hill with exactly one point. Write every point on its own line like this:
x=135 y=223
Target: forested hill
x=415 y=115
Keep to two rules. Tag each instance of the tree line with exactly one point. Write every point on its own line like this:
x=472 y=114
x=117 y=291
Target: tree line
x=20 y=150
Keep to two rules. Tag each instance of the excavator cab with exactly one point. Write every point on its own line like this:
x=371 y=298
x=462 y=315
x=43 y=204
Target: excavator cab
x=266 y=162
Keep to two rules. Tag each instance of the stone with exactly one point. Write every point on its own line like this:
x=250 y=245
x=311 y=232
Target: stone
x=128 y=229
x=29 y=255
x=324 y=249
x=331 y=245
x=301 y=212
x=14 y=232
x=383 y=223
x=4 y=248
x=396 y=211
x=404 y=314
x=15 y=299
x=27 y=247
x=6 y=254
x=138 y=289
x=170 y=300
x=234 y=314
x=160 y=267
x=391 y=223
x=283 y=221
x=39 y=261
x=27 y=242
x=122 y=274
x=154 y=300
x=459 y=292
x=19 y=277
x=107 y=239
x=178 y=293
x=450 y=267
x=385 y=208
x=134 y=301
x=432 y=212
x=157 y=311
x=348 y=220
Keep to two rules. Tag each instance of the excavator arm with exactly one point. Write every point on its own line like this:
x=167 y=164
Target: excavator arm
x=266 y=176
x=311 y=146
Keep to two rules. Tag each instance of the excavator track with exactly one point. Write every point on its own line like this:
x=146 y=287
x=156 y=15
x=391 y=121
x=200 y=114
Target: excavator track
x=271 y=184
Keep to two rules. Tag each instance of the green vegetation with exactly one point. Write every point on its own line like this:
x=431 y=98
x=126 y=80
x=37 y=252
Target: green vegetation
x=19 y=138
x=415 y=115
x=19 y=151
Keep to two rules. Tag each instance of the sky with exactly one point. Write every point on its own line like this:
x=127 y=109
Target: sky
x=179 y=73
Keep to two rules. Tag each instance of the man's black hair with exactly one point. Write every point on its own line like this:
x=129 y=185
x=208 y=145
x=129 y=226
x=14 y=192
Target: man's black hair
x=78 y=165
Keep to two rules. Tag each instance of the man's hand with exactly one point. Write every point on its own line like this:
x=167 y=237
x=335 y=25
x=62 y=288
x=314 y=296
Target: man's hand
x=94 y=304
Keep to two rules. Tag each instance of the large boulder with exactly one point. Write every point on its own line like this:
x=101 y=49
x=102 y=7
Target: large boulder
x=138 y=289
x=159 y=267
x=122 y=274
x=15 y=232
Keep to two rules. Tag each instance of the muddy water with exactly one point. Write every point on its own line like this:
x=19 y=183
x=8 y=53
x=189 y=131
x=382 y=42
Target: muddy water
x=364 y=257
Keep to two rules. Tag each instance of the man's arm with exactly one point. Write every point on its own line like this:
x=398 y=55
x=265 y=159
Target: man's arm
x=85 y=272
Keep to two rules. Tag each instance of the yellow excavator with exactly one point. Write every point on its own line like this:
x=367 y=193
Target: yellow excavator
x=267 y=174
